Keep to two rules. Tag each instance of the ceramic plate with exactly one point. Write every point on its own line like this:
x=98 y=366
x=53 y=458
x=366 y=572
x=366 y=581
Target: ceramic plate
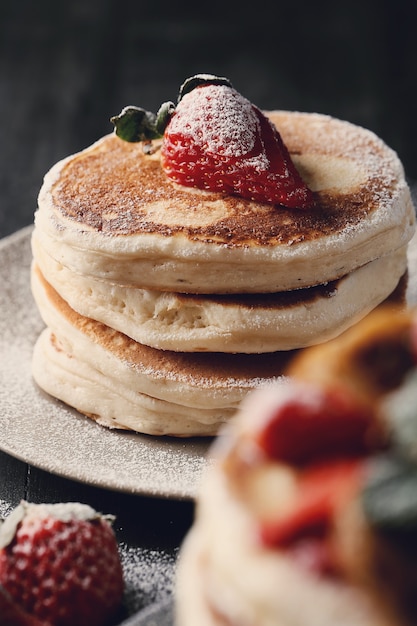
x=53 y=437
x=158 y=614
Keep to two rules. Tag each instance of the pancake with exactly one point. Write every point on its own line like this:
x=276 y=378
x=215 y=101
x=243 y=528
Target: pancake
x=166 y=305
x=245 y=323
x=269 y=589
x=124 y=384
x=380 y=339
x=270 y=544
x=110 y=213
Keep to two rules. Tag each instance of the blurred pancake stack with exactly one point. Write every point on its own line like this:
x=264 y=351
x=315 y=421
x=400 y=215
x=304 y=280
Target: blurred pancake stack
x=165 y=304
x=306 y=513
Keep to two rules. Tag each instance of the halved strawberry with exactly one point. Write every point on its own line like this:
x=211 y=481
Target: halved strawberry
x=322 y=489
x=308 y=423
x=216 y=139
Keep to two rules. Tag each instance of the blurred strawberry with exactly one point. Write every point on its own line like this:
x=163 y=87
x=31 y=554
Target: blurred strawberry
x=322 y=490
x=308 y=423
x=12 y=615
x=60 y=564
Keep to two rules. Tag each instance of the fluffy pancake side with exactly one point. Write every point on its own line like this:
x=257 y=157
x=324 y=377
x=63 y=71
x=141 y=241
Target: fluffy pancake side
x=84 y=387
x=226 y=577
x=227 y=323
x=204 y=387
x=110 y=212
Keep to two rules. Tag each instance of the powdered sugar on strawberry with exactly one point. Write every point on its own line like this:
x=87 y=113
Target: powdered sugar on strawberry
x=218 y=119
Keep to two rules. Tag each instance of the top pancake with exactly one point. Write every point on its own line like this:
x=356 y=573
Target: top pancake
x=110 y=212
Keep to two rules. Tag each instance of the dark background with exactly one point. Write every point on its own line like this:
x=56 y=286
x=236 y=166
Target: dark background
x=66 y=67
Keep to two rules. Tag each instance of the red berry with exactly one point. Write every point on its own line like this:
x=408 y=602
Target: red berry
x=13 y=615
x=322 y=489
x=60 y=563
x=217 y=140
x=309 y=423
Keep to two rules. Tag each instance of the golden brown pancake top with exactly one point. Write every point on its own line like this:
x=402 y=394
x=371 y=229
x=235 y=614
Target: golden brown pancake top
x=113 y=187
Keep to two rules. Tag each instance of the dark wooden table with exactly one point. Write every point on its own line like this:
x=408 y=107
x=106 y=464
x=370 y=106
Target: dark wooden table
x=65 y=68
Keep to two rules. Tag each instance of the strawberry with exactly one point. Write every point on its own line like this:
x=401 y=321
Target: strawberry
x=321 y=490
x=60 y=564
x=13 y=615
x=309 y=423
x=215 y=139
x=305 y=531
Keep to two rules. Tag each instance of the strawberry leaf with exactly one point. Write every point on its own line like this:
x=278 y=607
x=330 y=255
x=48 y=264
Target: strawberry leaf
x=134 y=124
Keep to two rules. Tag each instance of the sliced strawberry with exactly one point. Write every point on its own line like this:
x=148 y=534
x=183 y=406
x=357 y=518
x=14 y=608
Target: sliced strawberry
x=321 y=491
x=310 y=424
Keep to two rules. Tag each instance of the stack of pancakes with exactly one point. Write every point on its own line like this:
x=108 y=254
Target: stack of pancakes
x=165 y=305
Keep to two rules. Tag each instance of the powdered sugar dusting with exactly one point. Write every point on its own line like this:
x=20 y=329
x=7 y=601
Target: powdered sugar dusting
x=5 y=509
x=51 y=436
x=148 y=574
x=218 y=119
x=339 y=138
